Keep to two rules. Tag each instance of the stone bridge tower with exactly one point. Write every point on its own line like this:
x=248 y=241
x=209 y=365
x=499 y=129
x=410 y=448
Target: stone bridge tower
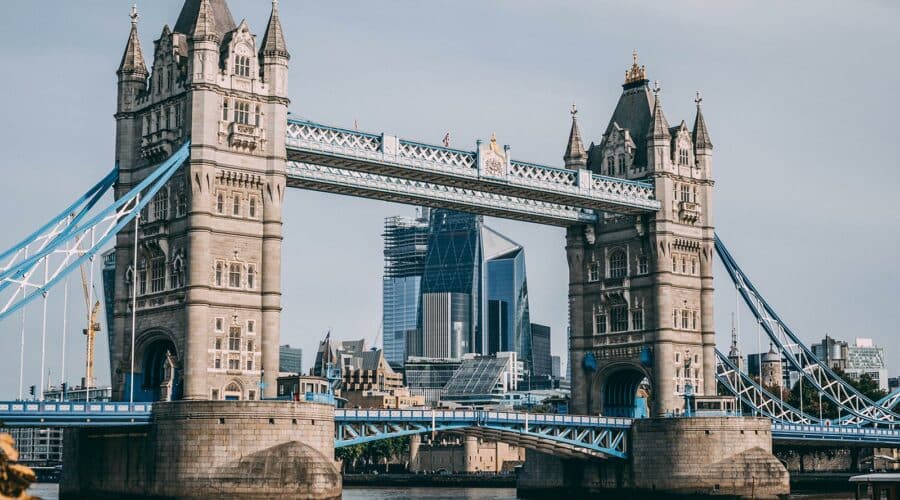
x=641 y=287
x=209 y=253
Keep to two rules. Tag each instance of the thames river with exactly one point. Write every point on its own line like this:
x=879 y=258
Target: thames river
x=51 y=492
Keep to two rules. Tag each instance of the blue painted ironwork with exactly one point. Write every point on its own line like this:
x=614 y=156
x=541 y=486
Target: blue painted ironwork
x=573 y=434
x=72 y=237
x=73 y=414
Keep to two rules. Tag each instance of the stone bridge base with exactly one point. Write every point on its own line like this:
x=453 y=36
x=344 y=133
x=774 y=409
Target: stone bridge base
x=208 y=449
x=670 y=458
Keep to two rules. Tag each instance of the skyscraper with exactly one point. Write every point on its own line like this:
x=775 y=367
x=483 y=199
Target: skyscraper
x=506 y=290
x=541 y=362
x=405 y=245
x=290 y=359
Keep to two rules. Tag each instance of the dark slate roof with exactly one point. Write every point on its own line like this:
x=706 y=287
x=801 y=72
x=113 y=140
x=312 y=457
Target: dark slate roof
x=133 y=58
x=701 y=134
x=273 y=43
x=575 y=147
x=634 y=111
x=221 y=14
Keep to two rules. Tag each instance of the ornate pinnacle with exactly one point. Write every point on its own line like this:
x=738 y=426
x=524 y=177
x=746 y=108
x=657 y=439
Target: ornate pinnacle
x=698 y=99
x=636 y=73
x=573 y=110
x=134 y=14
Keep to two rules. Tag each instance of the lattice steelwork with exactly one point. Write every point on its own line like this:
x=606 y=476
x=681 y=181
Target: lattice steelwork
x=859 y=408
x=568 y=435
x=43 y=259
x=754 y=396
x=382 y=187
x=397 y=159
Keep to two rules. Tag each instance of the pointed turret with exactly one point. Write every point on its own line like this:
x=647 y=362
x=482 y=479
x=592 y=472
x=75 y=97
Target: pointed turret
x=205 y=27
x=133 y=58
x=658 y=136
x=700 y=134
x=575 y=156
x=273 y=44
x=217 y=12
x=659 y=126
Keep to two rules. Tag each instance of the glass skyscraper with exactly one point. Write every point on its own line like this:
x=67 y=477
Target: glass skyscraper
x=405 y=246
x=506 y=289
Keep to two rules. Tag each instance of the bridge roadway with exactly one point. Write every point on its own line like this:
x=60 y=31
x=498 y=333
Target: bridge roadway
x=381 y=166
x=565 y=435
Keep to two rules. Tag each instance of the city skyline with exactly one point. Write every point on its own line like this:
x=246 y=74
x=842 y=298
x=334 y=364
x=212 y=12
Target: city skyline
x=789 y=271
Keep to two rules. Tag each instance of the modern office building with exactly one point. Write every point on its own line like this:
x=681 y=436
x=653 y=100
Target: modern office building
x=427 y=376
x=484 y=381
x=405 y=246
x=290 y=359
x=861 y=357
x=451 y=287
x=541 y=360
x=506 y=290
x=555 y=366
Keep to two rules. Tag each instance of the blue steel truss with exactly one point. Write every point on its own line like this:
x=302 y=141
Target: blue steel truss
x=73 y=414
x=43 y=259
x=570 y=435
x=388 y=159
x=859 y=409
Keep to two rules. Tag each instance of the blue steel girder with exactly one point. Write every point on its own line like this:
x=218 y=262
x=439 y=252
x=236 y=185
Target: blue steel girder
x=397 y=190
x=783 y=433
x=381 y=154
x=562 y=434
x=859 y=409
x=73 y=414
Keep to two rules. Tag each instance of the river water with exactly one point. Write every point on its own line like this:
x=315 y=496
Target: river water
x=51 y=492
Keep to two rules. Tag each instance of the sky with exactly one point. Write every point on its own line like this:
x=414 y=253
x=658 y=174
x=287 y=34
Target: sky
x=800 y=98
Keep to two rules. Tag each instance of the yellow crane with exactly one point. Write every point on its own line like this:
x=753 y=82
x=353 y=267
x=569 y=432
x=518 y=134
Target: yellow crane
x=93 y=326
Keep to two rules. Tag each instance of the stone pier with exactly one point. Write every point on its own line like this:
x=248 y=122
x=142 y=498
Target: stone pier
x=670 y=458
x=208 y=449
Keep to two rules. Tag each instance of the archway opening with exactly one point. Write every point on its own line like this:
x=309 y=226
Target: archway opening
x=232 y=392
x=158 y=380
x=626 y=393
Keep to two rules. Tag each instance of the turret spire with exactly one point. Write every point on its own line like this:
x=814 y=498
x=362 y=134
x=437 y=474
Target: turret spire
x=575 y=156
x=659 y=127
x=133 y=58
x=205 y=28
x=273 y=44
x=701 y=134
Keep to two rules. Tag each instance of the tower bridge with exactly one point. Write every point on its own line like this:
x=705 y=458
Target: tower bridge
x=205 y=152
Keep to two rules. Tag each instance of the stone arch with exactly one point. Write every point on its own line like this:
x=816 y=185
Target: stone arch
x=153 y=348
x=233 y=390
x=623 y=390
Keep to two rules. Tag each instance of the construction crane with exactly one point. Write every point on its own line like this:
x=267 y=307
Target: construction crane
x=93 y=326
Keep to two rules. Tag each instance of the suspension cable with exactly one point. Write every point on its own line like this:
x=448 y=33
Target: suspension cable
x=44 y=328
x=65 y=327
x=22 y=351
x=89 y=353
x=134 y=272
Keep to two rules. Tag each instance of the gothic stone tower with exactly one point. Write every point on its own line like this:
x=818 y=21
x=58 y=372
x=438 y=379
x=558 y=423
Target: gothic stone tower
x=209 y=251
x=641 y=287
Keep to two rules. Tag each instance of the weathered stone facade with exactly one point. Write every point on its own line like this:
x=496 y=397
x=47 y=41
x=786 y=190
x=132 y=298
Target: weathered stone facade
x=209 y=251
x=208 y=449
x=640 y=287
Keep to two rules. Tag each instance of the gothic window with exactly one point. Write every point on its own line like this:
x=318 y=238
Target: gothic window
x=225 y=109
x=257 y=116
x=242 y=65
x=611 y=165
x=599 y=321
x=220 y=326
x=637 y=319
x=685 y=314
x=234 y=338
x=242 y=112
x=234 y=275
x=129 y=277
x=693 y=266
x=159 y=123
x=683 y=156
x=618 y=317
x=218 y=344
x=234 y=364
x=621 y=164
x=251 y=277
x=618 y=264
x=249 y=346
x=674 y=264
x=180 y=201
x=220 y=203
x=169 y=78
x=675 y=318
x=684 y=265
x=251 y=328
x=219 y=272
x=161 y=205
x=643 y=265
x=594 y=271
x=252 y=207
x=158 y=274
x=685 y=192
x=177 y=280
x=142 y=277
x=251 y=395
x=677 y=357
x=250 y=367
x=236 y=205
x=218 y=364
x=694 y=320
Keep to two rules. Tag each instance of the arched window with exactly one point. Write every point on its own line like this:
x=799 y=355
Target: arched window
x=252 y=207
x=234 y=275
x=236 y=205
x=618 y=318
x=142 y=277
x=177 y=279
x=250 y=346
x=158 y=274
x=611 y=165
x=225 y=109
x=683 y=156
x=234 y=338
x=621 y=164
x=618 y=264
x=257 y=115
x=599 y=321
x=232 y=391
x=219 y=272
x=242 y=112
x=220 y=203
x=643 y=264
x=129 y=277
x=161 y=205
x=251 y=277
x=242 y=65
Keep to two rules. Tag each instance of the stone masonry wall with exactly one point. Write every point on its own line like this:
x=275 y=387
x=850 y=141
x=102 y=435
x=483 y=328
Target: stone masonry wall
x=210 y=449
